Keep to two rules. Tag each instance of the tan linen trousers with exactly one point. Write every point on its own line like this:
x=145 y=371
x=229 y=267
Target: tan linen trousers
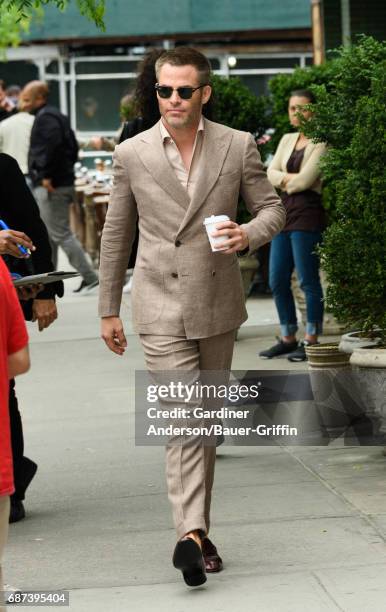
x=190 y=467
x=4 y=518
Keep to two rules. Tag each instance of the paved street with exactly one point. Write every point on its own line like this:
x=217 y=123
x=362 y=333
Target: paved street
x=300 y=529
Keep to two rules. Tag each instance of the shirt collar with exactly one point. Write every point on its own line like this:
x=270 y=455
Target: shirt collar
x=165 y=134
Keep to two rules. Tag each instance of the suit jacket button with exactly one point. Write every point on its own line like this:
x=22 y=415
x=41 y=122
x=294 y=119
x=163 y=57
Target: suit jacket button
x=178 y=243
x=213 y=272
x=174 y=275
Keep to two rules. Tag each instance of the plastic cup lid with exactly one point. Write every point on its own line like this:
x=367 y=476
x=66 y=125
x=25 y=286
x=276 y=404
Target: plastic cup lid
x=215 y=219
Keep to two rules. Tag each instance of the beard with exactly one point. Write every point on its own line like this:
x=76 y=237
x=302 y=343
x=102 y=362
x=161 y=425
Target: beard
x=179 y=121
x=186 y=119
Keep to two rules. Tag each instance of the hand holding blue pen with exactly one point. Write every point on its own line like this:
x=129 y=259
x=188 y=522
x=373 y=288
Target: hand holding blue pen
x=14 y=243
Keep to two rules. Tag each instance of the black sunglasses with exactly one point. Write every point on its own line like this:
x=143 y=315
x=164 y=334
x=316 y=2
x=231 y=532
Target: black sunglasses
x=164 y=91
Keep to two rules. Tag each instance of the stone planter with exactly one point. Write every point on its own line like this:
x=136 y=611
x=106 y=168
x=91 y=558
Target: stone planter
x=353 y=340
x=369 y=364
x=337 y=396
x=369 y=357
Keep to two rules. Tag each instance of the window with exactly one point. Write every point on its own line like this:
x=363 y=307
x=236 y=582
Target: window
x=97 y=110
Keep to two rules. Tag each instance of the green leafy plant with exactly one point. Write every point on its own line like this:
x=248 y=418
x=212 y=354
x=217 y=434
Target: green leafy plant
x=16 y=15
x=236 y=106
x=12 y=24
x=351 y=118
x=93 y=9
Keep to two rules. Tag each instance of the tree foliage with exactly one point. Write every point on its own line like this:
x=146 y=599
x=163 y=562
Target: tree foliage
x=236 y=106
x=12 y=25
x=351 y=117
x=16 y=15
x=93 y=9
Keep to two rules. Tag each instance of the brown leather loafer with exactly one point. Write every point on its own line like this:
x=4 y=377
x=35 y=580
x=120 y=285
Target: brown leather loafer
x=212 y=560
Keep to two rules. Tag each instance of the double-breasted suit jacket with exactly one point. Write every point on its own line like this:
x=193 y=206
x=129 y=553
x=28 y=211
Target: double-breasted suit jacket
x=180 y=286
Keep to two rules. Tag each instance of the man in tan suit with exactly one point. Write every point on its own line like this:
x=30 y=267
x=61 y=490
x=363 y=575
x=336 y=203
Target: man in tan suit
x=187 y=301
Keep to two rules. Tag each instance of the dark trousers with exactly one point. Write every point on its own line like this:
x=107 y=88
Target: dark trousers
x=23 y=468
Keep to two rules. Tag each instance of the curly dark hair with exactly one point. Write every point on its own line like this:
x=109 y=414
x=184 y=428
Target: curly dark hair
x=145 y=98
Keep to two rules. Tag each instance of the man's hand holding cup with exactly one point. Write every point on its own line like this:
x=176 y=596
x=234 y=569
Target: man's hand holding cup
x=226 y=236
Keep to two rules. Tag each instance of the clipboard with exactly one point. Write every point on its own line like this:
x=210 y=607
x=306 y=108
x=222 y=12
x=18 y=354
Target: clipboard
x=44 y=279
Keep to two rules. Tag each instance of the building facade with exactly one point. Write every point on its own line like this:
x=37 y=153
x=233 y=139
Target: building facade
x=89 y=71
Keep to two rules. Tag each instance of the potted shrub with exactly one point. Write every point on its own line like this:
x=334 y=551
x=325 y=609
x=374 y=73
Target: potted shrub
x=351 y=116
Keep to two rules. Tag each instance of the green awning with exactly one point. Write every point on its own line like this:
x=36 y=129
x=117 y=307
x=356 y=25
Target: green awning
x=133 y=18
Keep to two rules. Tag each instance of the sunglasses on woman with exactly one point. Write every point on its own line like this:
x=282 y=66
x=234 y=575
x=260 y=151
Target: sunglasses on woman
x=164 y=91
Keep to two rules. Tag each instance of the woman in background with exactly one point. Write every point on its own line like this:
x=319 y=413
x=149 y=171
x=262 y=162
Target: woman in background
x=295 y=171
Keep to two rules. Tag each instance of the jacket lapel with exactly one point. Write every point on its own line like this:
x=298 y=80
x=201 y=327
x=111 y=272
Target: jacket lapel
x=150 y=150
x=290 y=147
x=309 y=148
x=215 y=147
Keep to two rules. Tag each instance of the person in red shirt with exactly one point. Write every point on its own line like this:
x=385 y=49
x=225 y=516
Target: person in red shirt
x=14 y=360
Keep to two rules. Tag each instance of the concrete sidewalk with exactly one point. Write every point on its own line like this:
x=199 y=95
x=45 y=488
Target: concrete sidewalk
x=300 y=529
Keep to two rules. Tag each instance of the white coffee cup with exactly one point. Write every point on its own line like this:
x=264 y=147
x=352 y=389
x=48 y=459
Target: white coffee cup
x=210 y=226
